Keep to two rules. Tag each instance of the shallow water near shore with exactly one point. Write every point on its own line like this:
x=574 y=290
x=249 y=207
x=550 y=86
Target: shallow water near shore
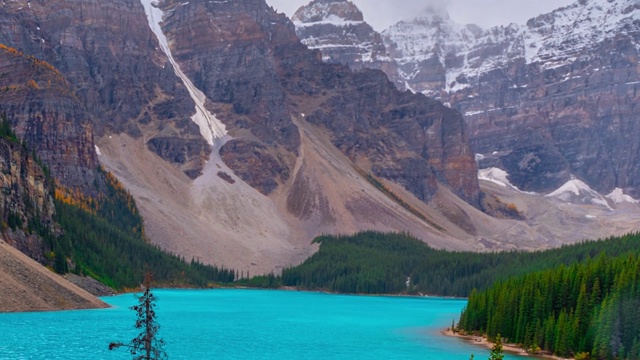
x=249 y=324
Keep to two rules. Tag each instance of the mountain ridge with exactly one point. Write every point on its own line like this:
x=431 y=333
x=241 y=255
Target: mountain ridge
x=543 y=101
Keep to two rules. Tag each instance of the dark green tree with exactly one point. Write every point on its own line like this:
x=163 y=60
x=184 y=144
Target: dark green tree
x=496 y=351
x=147 y=345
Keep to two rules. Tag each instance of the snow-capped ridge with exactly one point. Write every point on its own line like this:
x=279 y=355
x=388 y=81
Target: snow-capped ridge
x=337 y=28
x=337 y=12
x=466 y=52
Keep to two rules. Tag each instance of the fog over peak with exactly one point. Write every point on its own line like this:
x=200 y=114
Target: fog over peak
x=383 y=13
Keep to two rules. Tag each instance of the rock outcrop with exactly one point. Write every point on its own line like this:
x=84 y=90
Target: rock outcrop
x=45 y=113
x=25 y=200
x=337 y=28
x=545 y=101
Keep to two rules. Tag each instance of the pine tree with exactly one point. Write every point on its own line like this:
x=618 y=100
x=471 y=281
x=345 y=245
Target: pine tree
x=147 y=342
x=496 y=351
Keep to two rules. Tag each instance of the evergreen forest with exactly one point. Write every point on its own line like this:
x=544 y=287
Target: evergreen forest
x=378 y=263
x=587 y=310
x=103 y=237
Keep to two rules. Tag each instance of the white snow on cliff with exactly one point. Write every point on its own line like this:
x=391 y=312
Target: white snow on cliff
x=496 y=176
x=210 y=127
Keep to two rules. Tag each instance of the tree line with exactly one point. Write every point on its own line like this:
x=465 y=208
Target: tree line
x=379 y=263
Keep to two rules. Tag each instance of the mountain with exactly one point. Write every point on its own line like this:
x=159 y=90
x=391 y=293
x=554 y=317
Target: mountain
x=25 y=202
x=337 y=29
x=237 y=142
x=240 y=145
x=545 y=100
x=44 y=111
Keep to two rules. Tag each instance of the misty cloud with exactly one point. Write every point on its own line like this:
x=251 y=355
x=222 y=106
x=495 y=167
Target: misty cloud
x=384 y=13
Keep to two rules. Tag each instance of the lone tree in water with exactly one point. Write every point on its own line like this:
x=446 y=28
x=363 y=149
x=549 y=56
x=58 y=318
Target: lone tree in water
x=147 y=345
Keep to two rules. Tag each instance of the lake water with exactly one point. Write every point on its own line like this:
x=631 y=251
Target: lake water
x=248 y=324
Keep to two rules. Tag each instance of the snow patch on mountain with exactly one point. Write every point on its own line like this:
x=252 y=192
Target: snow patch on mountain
x=562 y=35
x=210 y=127
x=497 y=176
x=577 y=192
x=619 y=197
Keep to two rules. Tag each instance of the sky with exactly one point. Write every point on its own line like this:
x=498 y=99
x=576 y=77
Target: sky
x=383 y=13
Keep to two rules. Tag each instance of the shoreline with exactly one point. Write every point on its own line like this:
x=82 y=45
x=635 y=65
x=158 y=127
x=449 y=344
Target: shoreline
x=508 y=348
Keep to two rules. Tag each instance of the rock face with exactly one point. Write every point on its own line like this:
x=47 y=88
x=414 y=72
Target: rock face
x=546 y=101
x=24 y=199
x=111 y=59
x=45 y=113
x=337 y=28
x=402 y=137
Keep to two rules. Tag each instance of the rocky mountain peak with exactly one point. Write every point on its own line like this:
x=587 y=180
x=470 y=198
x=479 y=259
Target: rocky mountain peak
x=337 y=29
x=328 y=10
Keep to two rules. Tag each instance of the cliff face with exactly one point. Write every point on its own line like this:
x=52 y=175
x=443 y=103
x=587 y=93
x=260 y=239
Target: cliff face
x=116 y=70
x=45 y=113
x=545 y=101
x=337 y=28
x=24 y=199
x=405 y=138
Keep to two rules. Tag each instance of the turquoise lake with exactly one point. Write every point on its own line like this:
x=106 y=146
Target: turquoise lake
x=249 y=324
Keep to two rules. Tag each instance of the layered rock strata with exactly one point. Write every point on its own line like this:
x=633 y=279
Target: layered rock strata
x=337 y=29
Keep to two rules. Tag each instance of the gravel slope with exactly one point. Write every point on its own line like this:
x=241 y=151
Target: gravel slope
x=26 y=285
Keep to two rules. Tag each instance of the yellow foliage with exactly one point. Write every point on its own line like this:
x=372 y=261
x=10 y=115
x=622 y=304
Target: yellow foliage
x=74 y=197
x=11 y=50
x=582 y=356
x=33 y=84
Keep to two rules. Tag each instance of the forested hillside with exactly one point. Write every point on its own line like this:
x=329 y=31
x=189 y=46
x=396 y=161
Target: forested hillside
x=586 y=310
x=100 y=236
x=103 y=237
x=376 y=263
